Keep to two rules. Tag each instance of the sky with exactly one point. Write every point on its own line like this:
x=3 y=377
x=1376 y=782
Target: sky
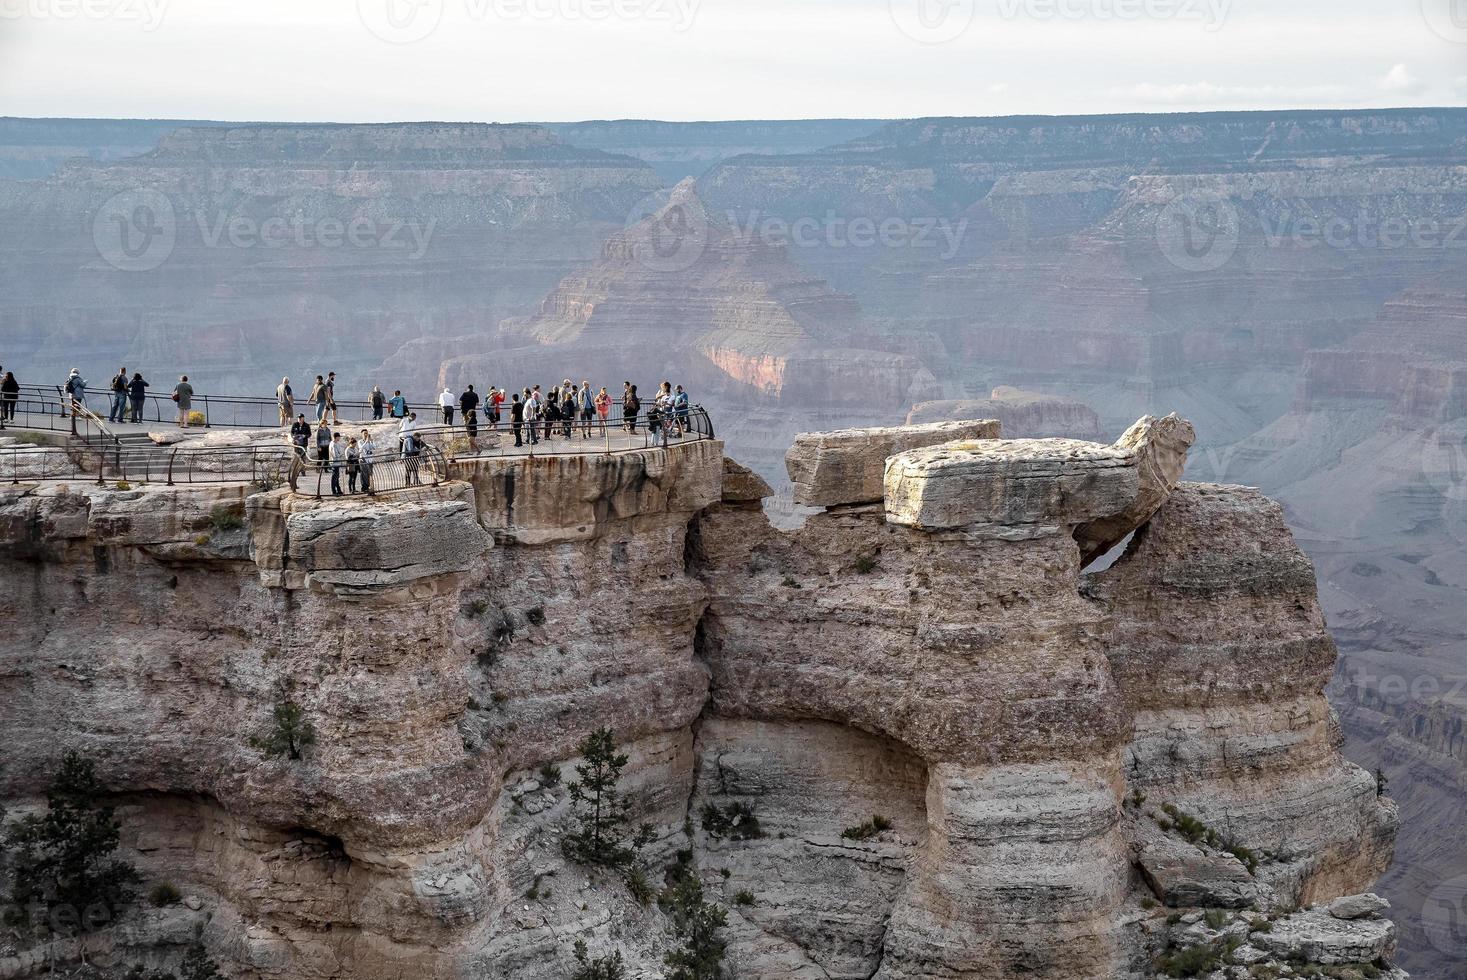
x=551 y=60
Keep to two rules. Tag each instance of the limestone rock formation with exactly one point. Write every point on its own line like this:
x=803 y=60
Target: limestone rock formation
x=847 y=466
x=964 y=758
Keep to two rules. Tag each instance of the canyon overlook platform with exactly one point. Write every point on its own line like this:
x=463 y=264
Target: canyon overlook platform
x=1043 y=743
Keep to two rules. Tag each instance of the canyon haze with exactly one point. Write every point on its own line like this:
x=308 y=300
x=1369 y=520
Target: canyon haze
x=1294 y=283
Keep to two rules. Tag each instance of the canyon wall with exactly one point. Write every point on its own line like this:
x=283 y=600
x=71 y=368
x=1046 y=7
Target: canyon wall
x=925 y=649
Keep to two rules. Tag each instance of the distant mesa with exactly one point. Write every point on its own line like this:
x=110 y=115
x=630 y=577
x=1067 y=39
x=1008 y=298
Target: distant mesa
x=1024 y=414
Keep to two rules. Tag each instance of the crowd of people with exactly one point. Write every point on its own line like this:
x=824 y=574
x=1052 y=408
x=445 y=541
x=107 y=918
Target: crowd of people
x=566 y=411
x=531 y=415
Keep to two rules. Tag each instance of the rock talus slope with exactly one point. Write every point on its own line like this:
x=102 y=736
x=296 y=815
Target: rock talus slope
x=1068 y=768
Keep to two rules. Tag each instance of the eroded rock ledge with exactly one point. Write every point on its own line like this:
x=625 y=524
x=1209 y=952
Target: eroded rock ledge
x=1083 y=774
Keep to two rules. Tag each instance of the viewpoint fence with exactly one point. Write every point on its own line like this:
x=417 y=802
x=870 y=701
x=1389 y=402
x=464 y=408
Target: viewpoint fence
x=96 y=453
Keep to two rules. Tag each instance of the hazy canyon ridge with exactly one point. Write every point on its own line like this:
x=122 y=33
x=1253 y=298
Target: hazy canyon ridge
x=1291 y=282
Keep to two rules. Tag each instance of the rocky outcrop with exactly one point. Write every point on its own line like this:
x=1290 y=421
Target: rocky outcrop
x=830 y=469
x=959 y=751
x=1159 y=448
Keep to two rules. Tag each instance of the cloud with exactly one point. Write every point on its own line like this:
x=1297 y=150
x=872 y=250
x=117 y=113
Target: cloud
x=1400 y=81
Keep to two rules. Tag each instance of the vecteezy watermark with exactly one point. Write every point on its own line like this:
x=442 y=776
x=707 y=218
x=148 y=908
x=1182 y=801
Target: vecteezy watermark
x=407 y=21
x=146 y=13
x=933 y=21
x=238 y=231
x=1209 y=13
x=940 y=21
x=1444 y=918
x=1363 y=231
x=1199 y=232
x=135 y=231
x=831 y=230
x=667 y=235
x=1448 y=18
x=1396 y=690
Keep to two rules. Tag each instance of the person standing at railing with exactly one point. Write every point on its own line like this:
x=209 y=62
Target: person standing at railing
x=366 y=453
x=468 y=403
x=117 y=411
x=9 y=395
x=496 y=406
x=353 y=464
x=338 y=459
x=603 y=408
x=517 y=418
x=318 y=395
x=408 y=433
x=398 y=404
x=183 y=395
x=300 y=435
x=631 y=406
x=331 y=398
x=588 y=408
x=76 y=390
x=681 y=409
x=446 y=402
x=568 y=408
x=532 y=414
x=379 y=403
x=323 y=443
x=285 y=398
x=137 y=392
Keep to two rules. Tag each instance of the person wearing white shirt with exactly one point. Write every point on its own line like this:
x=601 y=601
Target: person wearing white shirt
x=446 y=401
x=365 y=451
x=338 y=459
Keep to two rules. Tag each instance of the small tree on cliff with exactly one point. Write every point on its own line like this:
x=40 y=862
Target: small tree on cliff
x=698 y=925
x=64 y=872
x=601 y=813
x=599 y=968
x=289 y=732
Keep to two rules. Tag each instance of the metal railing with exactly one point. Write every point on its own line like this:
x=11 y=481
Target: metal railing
x=556 y=437
x=223 y=411
x=385 y=472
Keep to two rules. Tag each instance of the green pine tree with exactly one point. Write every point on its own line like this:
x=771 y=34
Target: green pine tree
x=698 y=925
x=62 y=860
x=600 y=812
x=600 y=968
x=289 y=734
x=197 y=965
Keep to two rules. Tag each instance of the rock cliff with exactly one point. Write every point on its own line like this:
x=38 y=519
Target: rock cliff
x=1076 y=776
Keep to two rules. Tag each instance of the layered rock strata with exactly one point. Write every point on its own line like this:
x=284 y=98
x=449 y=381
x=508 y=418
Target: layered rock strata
x=1067 y=769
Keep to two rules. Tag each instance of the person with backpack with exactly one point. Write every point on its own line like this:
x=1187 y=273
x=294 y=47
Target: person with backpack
x=76 y=391
x=285 y=399
x=379 y=403
x=496 y=406
x=331 y=411
x=398 y=404
x=318 y=395
x=117 y=412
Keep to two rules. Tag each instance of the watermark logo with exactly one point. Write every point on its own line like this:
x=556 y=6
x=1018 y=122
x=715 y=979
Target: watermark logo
x=667 y=236
x=1448 y=18
x=146 y=13
x=933 y=21
x=833 y=231
x=135 y=231
x=1444 y=918
x=1209 y=13
x=400 y=21
x=1363 y=230
x=408 y=21
x=1199 y=233
x=240 y=231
